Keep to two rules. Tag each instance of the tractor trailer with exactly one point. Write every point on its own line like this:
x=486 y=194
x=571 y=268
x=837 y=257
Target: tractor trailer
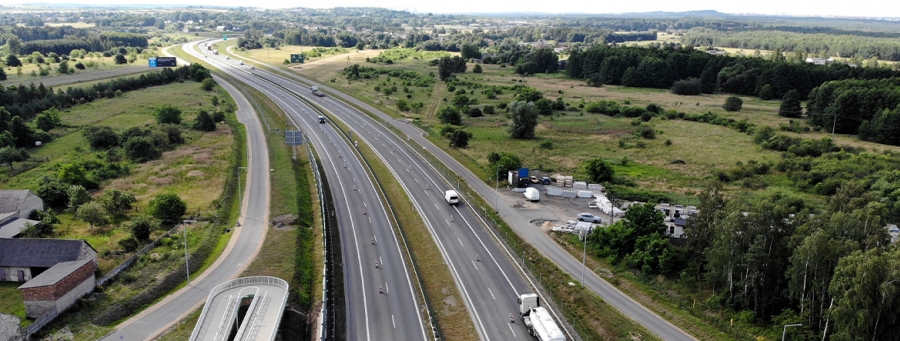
x=538 y=320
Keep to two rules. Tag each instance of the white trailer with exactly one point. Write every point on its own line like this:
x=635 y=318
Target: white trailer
x=538 y=320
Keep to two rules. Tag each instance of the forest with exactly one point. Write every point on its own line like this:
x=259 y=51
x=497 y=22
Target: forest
x=848 y=44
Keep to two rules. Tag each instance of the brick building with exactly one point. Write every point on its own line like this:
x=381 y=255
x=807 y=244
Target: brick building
x=58 y=287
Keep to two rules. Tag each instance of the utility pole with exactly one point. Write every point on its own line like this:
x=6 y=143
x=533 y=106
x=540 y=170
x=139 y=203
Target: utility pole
x=187 y=267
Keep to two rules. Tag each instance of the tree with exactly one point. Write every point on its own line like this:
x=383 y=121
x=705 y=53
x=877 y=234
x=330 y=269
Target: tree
x=460 y=138
x=866 y=291
x=78 y=196
x=207 y=84
x=116 y=202
x=544 y=107
x=101 y=137
x=14 y=46
x=733 y=103
x=460 y=101
x=766 y=93
x=47 y=120
x=204 y=122
x=469 y=51
x=120 y=59
x=141 y=227
x=53 y=193
x=2 y=74
x=10 y=154
x=167 y=207
x=447 y=66
x=13 y=61
x=449 y=115
x=790 y=105
x=140 y=149
x=21 y=132
x=91 y=213
x=214 y=101
x=63 y=67
x=503 y=162
x=599 y=171
x=524 y=119
x=686 y=87
x=477 y=69
x=474 y=112
x=168 y=114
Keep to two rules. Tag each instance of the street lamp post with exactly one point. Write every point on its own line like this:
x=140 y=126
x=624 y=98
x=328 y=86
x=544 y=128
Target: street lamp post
x=583 y=255
x=783 y=333
x=240 y=194
x=497 y=188
x=187 y=267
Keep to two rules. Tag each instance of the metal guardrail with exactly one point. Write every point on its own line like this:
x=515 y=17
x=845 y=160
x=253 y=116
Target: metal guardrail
x=239 y=282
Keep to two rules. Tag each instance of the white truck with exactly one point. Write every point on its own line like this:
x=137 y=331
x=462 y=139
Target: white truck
x=532 y=194
x=538 y=320
x=451 y=197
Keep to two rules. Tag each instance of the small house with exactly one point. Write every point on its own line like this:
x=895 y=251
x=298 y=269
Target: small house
x=21 y=202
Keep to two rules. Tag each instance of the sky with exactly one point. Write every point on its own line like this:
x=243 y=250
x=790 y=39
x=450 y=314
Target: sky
x=875 y=8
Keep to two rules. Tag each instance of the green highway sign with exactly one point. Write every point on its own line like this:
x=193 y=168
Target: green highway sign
x=297 y=58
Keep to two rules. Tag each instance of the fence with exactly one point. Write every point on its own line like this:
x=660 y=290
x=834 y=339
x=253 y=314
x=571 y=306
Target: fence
x=40 y=323
x=130 y=261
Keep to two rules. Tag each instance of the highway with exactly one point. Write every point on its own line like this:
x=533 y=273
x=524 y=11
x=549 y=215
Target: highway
x=241 y=249
x=484 y=274
x=522 y=226
x=381 y=301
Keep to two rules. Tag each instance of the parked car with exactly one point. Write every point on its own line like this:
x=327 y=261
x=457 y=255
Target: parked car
x=545 y=181
x=534 y=179
x=589 y=218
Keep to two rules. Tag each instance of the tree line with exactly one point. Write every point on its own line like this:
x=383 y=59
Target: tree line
x=102 y=42
x=855 y=106
x=27 y=101
x=833 y=43
x=660 y=67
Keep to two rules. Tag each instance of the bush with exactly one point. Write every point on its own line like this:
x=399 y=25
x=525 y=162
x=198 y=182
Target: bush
x=646 y=132
x=449 y=115
x=460 y=138
x=544 y=107
x=141 y=227
x=207 y=84
x=79 y=66
x=473 y=112
x=599 y=171
x=733 y=103
x=168 y=114
x=167 y=207
x=488 y=110
x=204 y=122
x=128 y=245
x=218 y=116
x=686 y=87
x=101 y=137
x=140 y=149
x=477 y=68
x=120 y=59
x=766 y=93
x=402 y=105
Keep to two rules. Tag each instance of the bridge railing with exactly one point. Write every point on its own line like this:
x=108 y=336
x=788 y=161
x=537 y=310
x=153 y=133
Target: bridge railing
x=238 y=282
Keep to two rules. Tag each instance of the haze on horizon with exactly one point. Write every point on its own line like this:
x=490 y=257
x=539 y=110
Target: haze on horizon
x=878 y=9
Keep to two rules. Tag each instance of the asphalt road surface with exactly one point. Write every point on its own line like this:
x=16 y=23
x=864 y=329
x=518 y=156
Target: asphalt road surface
x=241 y=250
x=524 y=229
x=381 y=301
x=261 y=320
x=487 y=279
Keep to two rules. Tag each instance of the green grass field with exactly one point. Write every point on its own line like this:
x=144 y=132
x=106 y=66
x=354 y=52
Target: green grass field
x=198 y=164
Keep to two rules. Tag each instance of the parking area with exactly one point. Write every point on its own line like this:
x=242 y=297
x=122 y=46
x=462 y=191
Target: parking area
x=558 y=210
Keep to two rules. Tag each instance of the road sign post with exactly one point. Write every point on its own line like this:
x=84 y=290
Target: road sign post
x=293 y=138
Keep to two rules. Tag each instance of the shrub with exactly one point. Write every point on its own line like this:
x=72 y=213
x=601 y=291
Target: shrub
x=766 y=93
x=544 y=107
x=449 y=115
x=101 y=137
x=168 y=114
x=488 y=110
x=140 y=149
x=402 y=105
x=599 y=171
x=460 y=138
x=733 y=103
x=204 y=122
x=167 y=207
x=646 y=132
x=477 y=68
x=474 y=112
x=207 y=84
x=141 y=227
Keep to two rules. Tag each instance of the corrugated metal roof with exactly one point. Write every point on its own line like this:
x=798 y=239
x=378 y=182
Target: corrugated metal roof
x=15 y=226
x=55 y=274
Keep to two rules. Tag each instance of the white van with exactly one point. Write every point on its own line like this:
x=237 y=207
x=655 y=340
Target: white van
x=532 y=194
x=452 y=197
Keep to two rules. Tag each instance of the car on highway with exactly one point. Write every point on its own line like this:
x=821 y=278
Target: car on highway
x=589 y=218
x=321 y=119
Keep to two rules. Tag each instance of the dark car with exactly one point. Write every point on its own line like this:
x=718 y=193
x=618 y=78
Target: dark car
x=545 y=181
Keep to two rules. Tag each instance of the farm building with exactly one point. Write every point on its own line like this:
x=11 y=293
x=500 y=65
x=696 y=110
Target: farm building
x=21 y=202
x=58 y=287
x=25 y=258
